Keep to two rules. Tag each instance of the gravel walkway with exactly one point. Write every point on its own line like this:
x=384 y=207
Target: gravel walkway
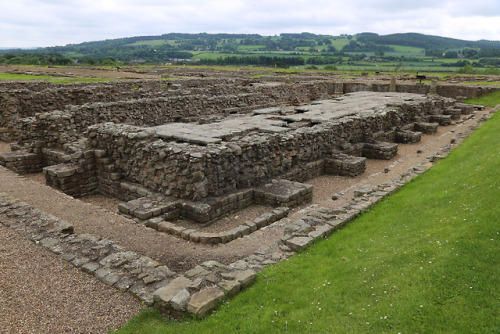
x=42 y=293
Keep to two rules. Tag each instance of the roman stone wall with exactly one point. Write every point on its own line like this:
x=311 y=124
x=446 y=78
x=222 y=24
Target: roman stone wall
x=61 y=126
x=190 y=171
x=132 y=153
x=192 y=96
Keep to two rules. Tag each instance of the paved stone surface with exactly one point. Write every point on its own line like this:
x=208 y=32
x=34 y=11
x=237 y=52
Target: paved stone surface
x=267 y=120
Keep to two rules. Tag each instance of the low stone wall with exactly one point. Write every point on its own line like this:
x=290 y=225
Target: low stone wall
x=345 y=165
x=21 y=162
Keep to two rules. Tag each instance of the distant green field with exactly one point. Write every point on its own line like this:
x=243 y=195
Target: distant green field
x=340 y=43
x=408 y=49
x=213 y=55
x=74 y=55
x=155 y=42
x=250 y=47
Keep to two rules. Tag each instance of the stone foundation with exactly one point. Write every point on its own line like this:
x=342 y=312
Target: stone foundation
x=205 y=148
x=345 y=165
x=21 y=162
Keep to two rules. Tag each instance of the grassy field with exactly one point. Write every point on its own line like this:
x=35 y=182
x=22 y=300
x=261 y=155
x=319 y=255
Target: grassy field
x=9 y=76
x=58 y=80
x=425 y=260
x=490 y=100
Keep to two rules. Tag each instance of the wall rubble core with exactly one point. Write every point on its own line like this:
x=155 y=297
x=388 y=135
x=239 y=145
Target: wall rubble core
x=203 y=149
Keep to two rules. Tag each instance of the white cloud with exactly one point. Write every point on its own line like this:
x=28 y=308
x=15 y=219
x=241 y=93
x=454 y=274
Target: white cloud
x=25 y=23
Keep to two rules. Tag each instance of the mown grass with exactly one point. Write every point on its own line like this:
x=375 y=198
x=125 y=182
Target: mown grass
x=59 y=80
x=489 y=100
x=11 y=76
x=483 y=83
x=425 y=260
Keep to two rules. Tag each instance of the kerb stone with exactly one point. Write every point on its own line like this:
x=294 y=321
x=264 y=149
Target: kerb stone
x=298 y=243
x=163 y=296
x=206 y=300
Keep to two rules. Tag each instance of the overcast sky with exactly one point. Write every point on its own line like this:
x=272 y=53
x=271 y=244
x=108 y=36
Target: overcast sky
x=29 y=23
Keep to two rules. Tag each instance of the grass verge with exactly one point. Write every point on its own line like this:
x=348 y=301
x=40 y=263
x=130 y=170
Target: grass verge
x=489 y=100
x=425 y=260
x=58 y=80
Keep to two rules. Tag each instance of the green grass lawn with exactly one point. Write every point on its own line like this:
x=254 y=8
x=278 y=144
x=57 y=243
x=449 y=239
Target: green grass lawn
x=425 y=260
x=9 y=76
x=489 y=100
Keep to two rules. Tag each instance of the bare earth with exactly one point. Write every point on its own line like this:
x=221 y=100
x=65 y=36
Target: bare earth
x=42 y=293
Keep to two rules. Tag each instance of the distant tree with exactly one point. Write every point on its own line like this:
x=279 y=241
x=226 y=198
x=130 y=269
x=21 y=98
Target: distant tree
x=467 y=69
x=450 y=54
x=470 y=53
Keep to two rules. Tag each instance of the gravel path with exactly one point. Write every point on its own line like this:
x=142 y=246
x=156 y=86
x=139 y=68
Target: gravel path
x=41 y=293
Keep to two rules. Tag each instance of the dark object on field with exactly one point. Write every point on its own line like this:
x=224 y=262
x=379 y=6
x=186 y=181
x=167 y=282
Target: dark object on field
x=420 y=77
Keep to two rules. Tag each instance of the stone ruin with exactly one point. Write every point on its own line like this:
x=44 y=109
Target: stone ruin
x=205 y=148
x=201 y=149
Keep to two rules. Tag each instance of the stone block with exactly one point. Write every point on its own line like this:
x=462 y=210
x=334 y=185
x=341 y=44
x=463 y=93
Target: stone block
x=298 y=243
x=230 y=287
x=180 y=300
x=245 y=277
x=440 y=119
x=204 y=301
x=163 y=295
x=210 y=238
x=321 y=232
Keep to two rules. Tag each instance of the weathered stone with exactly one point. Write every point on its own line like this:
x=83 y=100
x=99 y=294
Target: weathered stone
x=164 y=295
x=321 y=232
x=298 y=243
x=90 y=267
x=196 y=272
x=180 y=300
x=246 y=277
x=213 y=264
x=206 y=300
x=124 y=283
x=62 y=226
x=107 y=276
x=231 y=287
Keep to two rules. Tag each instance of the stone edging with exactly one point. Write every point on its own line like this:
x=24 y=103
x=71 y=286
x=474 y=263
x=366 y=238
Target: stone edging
x=203 y=288
x=224 y=237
